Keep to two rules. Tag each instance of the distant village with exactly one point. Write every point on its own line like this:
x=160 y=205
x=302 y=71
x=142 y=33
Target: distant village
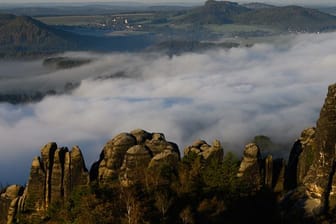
x=117 y=23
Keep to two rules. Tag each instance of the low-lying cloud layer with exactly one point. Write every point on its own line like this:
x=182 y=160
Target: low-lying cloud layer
x=230 y=95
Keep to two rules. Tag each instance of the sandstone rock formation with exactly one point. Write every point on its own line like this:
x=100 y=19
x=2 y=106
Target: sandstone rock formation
x=309 y=178
x=311 y=168
x=167 y=156
x=9 y=200
x=112 y=157
x=300 y=159
x=206 y=151
x=135 y=162
x=320 y=181
x=269 y=171
x=53 y=176
x=279 y=169
x=250 y=167
x=128 y=150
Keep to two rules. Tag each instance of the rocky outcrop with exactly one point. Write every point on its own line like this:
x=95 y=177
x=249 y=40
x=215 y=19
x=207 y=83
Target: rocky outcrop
x=279 y=169
x=205 y=151
x=112 y=157
x=311 y=168
x=250 y=167
x=52 y=178
x=309 y=178
x=320 y=182
x=300 y=159
x=272 y=173
x=166 y=157
x=9 y=199
x=126 y=151
x=135 y=162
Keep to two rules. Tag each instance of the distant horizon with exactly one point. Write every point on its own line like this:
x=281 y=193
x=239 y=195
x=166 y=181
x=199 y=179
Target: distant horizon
x=165 y=2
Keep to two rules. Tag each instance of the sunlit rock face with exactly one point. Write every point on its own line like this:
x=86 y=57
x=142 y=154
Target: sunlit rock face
x=320 y=180
x=112 y=157
x=53 y=176
x=250 y=167
x=9 y=201
x=205 y=151
x=251 y=158
x=128 y=151
x=310 y=175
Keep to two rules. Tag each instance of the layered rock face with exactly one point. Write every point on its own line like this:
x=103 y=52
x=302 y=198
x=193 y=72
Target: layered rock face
x=311 y=167
x=129 y=151
x=250 y=167
x=320 y=181
x=206 y=151
x=274 y=173
x=300 y=159
x=256 y=172
x=10 y=199
x=135 y=162
x=53 y=176
x=251 y=160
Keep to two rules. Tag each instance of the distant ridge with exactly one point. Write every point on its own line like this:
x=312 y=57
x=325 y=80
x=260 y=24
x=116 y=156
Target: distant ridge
x=23 y=34
x=295 y=18
x=258 y=5
x=215 y=12
x=290 y=18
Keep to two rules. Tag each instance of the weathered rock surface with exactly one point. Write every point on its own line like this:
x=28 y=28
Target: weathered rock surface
x=113 y=155
x=9 y=199
x=273 y=173
x=300 y=159
x=320 y=182
x=279 y=169
x=135 y=162
x=269 y=171
x=251 y=159
x=250 y=167
x=169 y=157
x=52 y=178
x=206 y=151
x=311 y=167
x=121 y=154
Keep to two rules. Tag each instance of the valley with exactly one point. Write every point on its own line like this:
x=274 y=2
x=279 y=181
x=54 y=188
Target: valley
x=166 y=112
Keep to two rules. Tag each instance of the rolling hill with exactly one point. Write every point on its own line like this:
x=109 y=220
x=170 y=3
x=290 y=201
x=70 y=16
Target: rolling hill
x=214 y=12
x=292 y=18
x=257 y=5
x=25 y=35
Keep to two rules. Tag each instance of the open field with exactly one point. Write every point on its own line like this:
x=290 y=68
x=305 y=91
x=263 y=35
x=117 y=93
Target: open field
x=93 y=19
x=238 y=28
x=72 y=20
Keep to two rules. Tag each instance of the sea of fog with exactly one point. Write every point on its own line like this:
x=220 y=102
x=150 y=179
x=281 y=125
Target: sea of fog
x=230 y=95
